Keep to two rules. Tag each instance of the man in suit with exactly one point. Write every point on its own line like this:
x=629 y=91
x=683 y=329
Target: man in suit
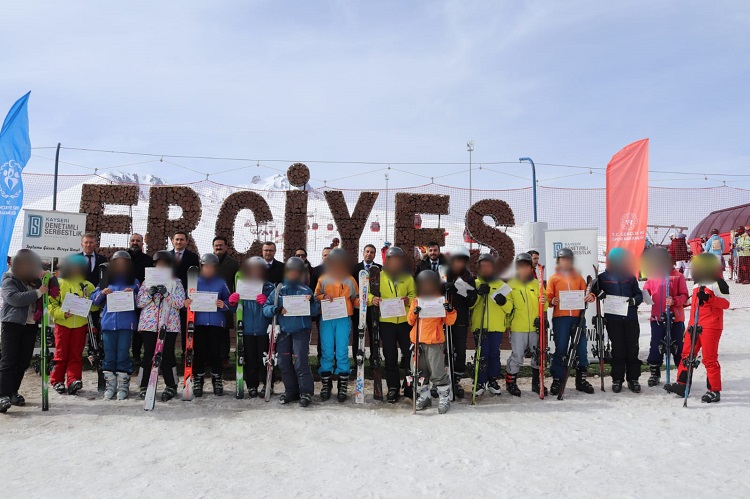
x=432 y=260
x=228 y=268
x=140 y=261
x=318 y=271
x=95 y=260
x=183 y=260
x=368 y=261
x=275 y=267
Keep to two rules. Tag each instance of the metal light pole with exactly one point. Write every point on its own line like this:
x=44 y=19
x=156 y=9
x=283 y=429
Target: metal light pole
x=386 y=206
x=533 y=180
x=470 y=148
x=54 y=184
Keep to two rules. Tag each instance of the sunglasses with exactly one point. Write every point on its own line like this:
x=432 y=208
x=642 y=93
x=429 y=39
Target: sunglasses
x=301 y=255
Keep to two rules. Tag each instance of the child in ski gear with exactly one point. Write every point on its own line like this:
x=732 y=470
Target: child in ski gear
x=743 y=255
x=496 y=309
x=564 y=322
x=458 y=262
x=524 y=298
x=618 y=282
x=395 y=282
x=209 y=327
x=336 y=282
x=428 y=336
x=70 y=330
x=661 y=273
x=160 y=305
x=293 y=343
x=711 y=295
x=255 y=324
x=117 y=327
x=22 y=291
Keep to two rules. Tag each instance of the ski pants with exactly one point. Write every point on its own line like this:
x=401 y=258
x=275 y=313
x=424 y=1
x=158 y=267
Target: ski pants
x=460 y=334
x=294 y=362
x=432 y=364
x=521 y=343
x=489 y=360
x=69 y=344
x=743 y=269
x=708 y=341
x=334 y=344
x=624 y=334
x=659 y=337
x=117 y=351
x=148 y=339
x=208 y=345
x=17 y=345
x=256 y=346
x=563 y=329
x=394 y=337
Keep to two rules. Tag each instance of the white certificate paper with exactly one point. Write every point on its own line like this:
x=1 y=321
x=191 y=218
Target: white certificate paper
x=615 y=305
x=120 y=301
x=431 y=307
x=296 y=305
x=158 y=277
x=504 y=290
x=249 y=290
x=392 y=308
x=76 y=305
x=571 y=300
x=335 y=309
x=462 y=287
x=203 y=301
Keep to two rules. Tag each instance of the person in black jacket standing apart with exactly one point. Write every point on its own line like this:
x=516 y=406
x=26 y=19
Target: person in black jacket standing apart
x=432 y=260
x=183 y=260
x=95 y=260
x=140 y=261
x=274 y=267
x=368 y=261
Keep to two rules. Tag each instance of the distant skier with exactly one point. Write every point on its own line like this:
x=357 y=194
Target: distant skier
x=715 y=246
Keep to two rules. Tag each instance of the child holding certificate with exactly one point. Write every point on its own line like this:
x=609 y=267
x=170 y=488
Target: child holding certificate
x=210 y=304
x=431 y=342
x=336 y=285
x=294 y=311
x=565 y=293
x=70 y=329
x=119 y=320
x=255 y=334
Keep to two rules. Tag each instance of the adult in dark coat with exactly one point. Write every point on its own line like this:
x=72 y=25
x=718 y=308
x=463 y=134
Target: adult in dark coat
x=318 y=270
x=140 y=262
x=228 y=268
x=368 y=261
x=184 y=259
x=432 y=260
x=95 y=260
x=275 y=267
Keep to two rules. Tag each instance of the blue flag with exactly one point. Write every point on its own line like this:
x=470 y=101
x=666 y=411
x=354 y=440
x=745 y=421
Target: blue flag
x=15 y=151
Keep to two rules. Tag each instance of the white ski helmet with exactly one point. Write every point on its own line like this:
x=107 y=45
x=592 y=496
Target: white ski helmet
x=460 y=252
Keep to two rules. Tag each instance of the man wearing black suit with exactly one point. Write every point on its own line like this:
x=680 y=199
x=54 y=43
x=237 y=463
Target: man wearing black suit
x=368 y=261
x=319 y=270
x=275 y=267
x=95 y=260
x=140 y=261
x=432 y=260
x=184 y=259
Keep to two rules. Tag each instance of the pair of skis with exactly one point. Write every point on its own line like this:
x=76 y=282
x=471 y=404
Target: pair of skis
x=667 y=320
x=375 y=335
x=273 y=333
x=695 y=330
x=96 y=347
x=599 y=349
x=44 y=330
x=542 y=326
x=364 y=290
x=479 y=359
x=153 y=378
x=450 y=352
x=239 y=329
x=187 y=382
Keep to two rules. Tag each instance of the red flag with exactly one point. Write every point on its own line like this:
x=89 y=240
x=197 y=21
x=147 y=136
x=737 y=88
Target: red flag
x=627 y=198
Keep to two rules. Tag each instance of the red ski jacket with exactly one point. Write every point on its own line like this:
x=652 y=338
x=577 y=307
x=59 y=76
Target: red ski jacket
x=711 y=314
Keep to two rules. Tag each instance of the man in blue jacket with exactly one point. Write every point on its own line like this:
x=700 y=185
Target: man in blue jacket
x=293 y=343
x=619 y=283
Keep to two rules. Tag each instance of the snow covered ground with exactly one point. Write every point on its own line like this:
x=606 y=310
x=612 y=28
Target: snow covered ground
x=597 y=445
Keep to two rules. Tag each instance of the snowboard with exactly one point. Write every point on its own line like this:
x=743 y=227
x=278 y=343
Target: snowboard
x=187 y=382
x=359 y=386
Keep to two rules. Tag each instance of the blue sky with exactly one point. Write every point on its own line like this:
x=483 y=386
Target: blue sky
x=563 y=82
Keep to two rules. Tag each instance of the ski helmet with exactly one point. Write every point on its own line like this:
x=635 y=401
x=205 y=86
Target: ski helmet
x=256 y=260
x=565 y=253
x=395 y=251
x=165 y=256
x=485 y=257
x=121 y=254
x=524 y=257
x=337 y=255
x=460 y=252
x=428 y=277
x=209 y=259
x=714 y=231
x=295 y=263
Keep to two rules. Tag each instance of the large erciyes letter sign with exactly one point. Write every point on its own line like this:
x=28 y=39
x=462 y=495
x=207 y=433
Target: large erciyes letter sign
x=350 y=222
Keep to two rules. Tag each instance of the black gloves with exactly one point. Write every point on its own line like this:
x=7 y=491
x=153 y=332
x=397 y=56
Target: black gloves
x=500 y=299
x=723 y=286
x=161 y=289
x=471 y=294
x=703 y=297
x=631 y=302
x=153 y=290
x=417 y=310
x=448 y=307
x=277 y=310
x=483 y=289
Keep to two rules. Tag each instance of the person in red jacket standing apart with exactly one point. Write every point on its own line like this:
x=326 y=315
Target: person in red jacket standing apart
x=711 y=294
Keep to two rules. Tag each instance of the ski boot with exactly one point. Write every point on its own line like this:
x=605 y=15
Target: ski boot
x=634 y=386
x=434 y=392
x=581 y=384
x=511 y=386
x=123 y=386
x=287 y=398
x=4 y=404
x=392 y=396
x=75 y=387
x=326 y=386
x=679 y=387
x=458 y=390
x=616 y=385
x=343 y=387
x=655 y=378
x=481 y=388
x=252 y=392
x=710 y=397
x=198 y=385
x=305 y=399
x=408 y=391
x=556 y=386
x=218 y=384
x=445 y=399
x=17 y=400
x=535 y=382
x=424 y=400
x=142 y=392
x=494 y=387
x=60 y=388
x=110 y=389
x=168 y=393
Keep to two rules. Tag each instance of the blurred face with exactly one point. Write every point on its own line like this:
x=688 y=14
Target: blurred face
x=293 y=275
x=88 y=245
x=564 y=264
x=429 y=290
x=208 y=271
x=458 y=266
x=368 y=255
x=220 y=247
x=524 y=271
x=433 y=252
x=337 y=268
x=162 y=264
x=119 y=266
x=394 y=265
x=268 y=252
x=486 y=270
x=325 y=253
x=179 y=241
x=535 y=259
x=255 y=272
x=136 y=242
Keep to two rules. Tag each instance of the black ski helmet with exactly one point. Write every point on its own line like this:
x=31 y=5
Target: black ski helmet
x=485 y=257
x=337 y=255
x=428 y=277
x=295 y=263
x=121 y=254
x=394 y=251
x=165 y=256
x=525 y=258
x=209 y=259
x=256 y=261
x=565 y=253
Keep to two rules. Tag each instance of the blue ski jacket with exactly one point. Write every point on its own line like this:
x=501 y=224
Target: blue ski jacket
x=620 y=285
x=254 y=320
x=112 y=321
x=292 y=324
x=214 y=285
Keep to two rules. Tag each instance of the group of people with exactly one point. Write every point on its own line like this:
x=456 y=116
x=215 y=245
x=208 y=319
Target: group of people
x=483 y=304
